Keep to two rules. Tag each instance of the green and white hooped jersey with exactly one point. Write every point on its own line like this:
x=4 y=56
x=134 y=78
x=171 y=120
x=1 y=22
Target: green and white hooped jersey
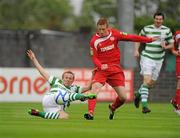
x=56 y=85
x=154 y=50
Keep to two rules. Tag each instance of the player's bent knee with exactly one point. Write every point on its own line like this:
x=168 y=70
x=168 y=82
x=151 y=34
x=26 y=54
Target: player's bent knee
x=149 y=84
x=124 y=98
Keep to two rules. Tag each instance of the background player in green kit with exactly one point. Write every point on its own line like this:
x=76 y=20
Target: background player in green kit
x=62 y=92
x=152 y=57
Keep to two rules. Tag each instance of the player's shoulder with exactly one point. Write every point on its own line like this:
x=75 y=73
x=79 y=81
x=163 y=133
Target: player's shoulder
x=114 y=30
x=177 y=32
x=94 y=37
x=54 y=80
x=163 y=27
x=177 y=36
x=74 y=88
x=150 y=26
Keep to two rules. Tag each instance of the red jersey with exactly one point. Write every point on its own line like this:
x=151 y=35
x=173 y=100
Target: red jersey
x=104 y=50
x=177 y=44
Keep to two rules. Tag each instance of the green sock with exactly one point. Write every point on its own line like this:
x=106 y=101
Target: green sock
x=138 y=93
x=48 y=115
x=144 y=91
x=144 y=103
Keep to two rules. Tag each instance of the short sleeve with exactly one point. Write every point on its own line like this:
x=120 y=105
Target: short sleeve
x=53 y=80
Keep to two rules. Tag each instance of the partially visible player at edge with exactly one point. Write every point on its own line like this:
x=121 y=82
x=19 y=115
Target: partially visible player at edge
x=53 y=105
x=152 y=57
x=176 y=51
x=105 y=55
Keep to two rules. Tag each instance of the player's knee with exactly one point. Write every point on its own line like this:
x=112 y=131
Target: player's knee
x=149 y=83
x=123 y=97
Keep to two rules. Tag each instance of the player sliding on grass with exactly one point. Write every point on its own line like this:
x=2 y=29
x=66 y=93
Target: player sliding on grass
x=62 y=92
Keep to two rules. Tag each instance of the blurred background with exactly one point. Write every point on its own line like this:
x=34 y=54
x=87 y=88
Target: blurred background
x=58 y=31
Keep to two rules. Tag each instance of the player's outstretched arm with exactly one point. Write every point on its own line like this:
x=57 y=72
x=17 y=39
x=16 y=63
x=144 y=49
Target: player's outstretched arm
x=41 y=70
x=137 y=38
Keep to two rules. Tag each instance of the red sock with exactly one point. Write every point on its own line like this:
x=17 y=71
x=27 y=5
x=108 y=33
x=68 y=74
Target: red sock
x=117 y=103
x=91 y=106
x=178 y=97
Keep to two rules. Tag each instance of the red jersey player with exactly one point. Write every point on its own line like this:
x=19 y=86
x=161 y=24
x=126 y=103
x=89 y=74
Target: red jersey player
x=176 y=51
x=105 y=55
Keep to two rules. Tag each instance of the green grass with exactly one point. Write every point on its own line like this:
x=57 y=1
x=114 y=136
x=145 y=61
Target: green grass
x=129 y=122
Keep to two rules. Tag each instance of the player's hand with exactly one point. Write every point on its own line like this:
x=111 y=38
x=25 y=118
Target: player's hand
x=30 y=54
x=136 y=53
x=104 y=66
x=176 y=53
x=163 y=44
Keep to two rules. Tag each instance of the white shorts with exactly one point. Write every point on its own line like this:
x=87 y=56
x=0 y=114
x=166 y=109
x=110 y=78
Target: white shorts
x=150 y=67
x=49 y=104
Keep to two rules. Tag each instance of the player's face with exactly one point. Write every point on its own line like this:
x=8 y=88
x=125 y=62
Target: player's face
x=158 y=20
x=102 y=30
x=68 y=79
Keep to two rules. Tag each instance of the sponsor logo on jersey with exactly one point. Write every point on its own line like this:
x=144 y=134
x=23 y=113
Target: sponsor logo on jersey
x=123 y=33
x=112 y=38
x=107 y=48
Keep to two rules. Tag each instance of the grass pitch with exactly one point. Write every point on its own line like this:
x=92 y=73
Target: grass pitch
x=129 y=122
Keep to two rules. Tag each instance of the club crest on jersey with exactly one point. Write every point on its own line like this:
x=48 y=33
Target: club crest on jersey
x=123 y=33
x=112 y=38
